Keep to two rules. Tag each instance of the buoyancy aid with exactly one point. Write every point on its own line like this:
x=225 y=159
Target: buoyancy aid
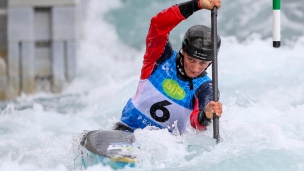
x=163 y=100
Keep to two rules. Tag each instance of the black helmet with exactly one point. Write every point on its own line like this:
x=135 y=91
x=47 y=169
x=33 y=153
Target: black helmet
x=198 y=43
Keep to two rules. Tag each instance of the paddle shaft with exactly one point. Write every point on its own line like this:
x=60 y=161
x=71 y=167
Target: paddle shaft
x=214 y=71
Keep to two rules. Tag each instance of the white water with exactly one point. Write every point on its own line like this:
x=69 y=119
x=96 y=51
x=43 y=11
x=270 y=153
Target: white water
x=261 y=90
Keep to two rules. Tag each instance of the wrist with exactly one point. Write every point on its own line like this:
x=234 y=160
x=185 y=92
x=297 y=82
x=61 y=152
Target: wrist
x=208 y=112
x=202 y=119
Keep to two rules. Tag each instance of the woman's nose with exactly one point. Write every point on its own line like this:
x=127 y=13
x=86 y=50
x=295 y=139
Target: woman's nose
x=196 y=67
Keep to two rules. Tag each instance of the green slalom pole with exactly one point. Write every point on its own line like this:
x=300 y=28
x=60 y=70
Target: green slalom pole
x=276 y=6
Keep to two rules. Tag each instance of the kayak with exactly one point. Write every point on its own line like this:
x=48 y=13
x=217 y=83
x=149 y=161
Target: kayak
x=108 y=147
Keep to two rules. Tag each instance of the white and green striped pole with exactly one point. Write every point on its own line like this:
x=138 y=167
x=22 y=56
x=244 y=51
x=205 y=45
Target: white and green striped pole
x=276 y=6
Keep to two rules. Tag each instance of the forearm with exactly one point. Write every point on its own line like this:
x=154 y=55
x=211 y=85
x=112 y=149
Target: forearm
x=202 y=117
x=188 y=8
x=199 y=119
x=195 y=120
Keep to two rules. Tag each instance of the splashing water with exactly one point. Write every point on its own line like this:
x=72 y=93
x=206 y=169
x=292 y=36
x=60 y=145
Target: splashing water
x=261 y=89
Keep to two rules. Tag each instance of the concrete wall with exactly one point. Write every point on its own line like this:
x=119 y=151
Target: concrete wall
x=3 y=79
x=3 y=35
x=20 y=24
x=20 y=51
x=42 y=2
x=38 y=41
x=3 y=29
x=65 y=34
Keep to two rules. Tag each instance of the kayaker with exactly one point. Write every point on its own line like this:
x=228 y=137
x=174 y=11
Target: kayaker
x=174 y=89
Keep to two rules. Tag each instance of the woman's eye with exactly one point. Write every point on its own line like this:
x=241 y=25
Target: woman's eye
x=204 y=63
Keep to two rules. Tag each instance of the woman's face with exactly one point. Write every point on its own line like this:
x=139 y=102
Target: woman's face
x=193 y=66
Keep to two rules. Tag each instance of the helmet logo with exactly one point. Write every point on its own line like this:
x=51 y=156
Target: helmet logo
x=199 y=54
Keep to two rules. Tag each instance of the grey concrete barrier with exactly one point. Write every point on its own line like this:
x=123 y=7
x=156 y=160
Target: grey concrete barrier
x=3 y=79
x=13 y=68
x=58 y=66
x=28 y=68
